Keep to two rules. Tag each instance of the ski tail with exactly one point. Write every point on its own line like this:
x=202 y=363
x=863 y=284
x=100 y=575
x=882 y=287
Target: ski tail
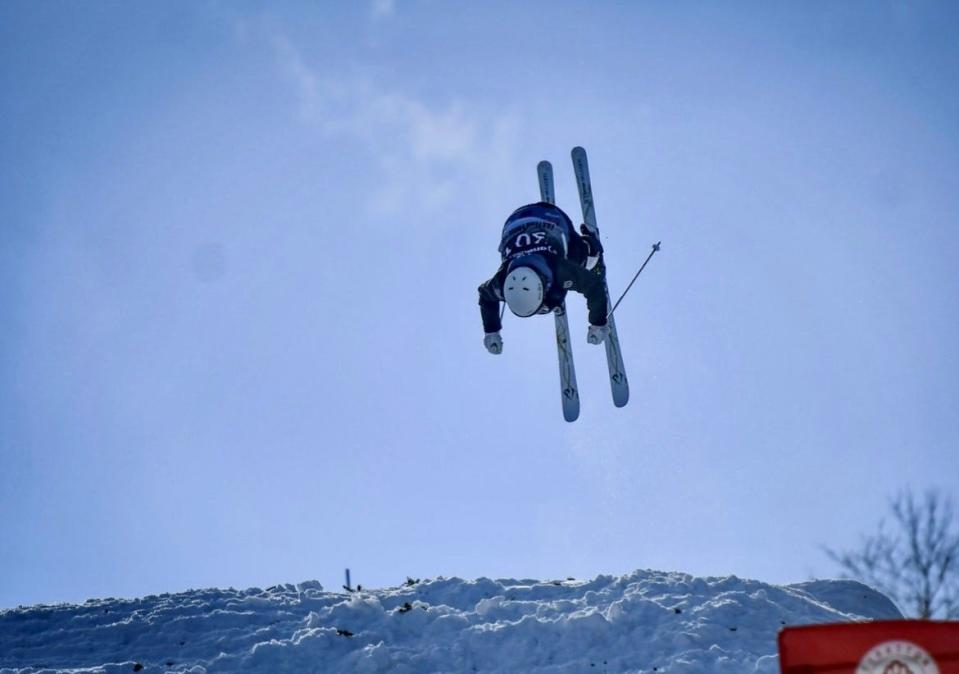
x=547 y=188
x=585 y=188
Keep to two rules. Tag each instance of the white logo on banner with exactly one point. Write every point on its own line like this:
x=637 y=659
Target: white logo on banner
x=897 y=657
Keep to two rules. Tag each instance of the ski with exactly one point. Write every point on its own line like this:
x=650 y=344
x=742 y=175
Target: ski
x=619 y=384
x=567 y=371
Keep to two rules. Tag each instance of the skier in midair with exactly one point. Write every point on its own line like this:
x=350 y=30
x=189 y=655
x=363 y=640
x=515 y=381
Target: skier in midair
x=543 y=257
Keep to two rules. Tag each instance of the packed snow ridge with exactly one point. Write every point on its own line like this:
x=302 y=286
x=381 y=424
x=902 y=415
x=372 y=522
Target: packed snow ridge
x=647 y=621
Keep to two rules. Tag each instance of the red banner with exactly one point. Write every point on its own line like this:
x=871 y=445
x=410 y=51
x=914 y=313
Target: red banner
x=881 y=647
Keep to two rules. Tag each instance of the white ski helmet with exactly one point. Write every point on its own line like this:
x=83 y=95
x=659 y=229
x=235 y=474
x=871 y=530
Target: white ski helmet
x=523 y=291
x=526 y=285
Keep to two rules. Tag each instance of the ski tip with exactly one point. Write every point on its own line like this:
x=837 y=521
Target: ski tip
x=577 y=150
x=571 y=415
x=544 y=165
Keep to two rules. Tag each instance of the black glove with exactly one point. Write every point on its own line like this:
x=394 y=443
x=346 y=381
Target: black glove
x=591 y=240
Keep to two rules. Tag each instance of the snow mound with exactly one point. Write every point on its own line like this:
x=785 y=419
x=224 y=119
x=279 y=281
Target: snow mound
x=647 y=621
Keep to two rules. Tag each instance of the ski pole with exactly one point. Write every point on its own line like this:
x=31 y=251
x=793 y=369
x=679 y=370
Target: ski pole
x=655 y=248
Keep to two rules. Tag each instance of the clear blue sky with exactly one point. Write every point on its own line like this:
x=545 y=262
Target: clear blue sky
x=239 y=251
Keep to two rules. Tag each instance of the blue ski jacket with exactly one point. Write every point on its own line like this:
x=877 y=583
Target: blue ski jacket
x=542 y=235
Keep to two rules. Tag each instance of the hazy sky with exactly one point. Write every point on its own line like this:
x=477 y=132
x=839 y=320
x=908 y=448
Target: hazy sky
x=239 y=252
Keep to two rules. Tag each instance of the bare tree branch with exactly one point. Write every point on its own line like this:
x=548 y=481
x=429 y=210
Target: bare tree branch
x=916 y=564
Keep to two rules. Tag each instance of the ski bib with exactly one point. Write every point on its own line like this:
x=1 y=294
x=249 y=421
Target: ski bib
x=528 y=235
